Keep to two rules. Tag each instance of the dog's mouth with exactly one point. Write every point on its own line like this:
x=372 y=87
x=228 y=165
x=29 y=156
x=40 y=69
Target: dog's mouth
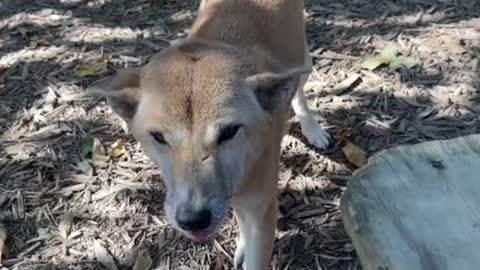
x=206 y=234
x=199 y=236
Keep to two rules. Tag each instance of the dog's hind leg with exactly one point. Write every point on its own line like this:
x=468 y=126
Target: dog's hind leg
x=310 y=127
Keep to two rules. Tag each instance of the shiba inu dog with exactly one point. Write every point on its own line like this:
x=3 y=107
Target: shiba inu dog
x=212 y=109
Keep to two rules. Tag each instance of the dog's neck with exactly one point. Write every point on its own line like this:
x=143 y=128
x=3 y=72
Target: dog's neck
x=217 y=22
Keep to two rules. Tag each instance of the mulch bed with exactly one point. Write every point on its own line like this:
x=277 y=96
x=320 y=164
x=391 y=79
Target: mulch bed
x=60 y=209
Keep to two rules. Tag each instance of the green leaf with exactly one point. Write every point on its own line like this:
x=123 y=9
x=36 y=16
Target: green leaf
x=91 y=69
x=87 y=147
x=389 y=53
x=374 y=63
x=19 y=244
x=395 y=64
x=389 y=56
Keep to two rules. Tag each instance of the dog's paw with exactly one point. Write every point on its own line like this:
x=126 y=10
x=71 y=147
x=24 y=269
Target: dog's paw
x=315 y=134
x=239 y=259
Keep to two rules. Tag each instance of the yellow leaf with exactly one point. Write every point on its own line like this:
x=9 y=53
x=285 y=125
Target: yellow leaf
x=118 y=149
x=374 y=62
x=354 y=154
x=90 y=69
x=389 y=56
x=389 y=53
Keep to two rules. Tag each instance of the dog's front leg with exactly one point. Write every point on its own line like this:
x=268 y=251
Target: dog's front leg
x=239 y=259
x=257 y=234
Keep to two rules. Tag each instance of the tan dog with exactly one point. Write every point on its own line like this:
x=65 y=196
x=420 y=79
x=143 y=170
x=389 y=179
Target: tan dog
x=212 y=109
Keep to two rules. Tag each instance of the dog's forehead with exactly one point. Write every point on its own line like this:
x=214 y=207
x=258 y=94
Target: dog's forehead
x=195 y=87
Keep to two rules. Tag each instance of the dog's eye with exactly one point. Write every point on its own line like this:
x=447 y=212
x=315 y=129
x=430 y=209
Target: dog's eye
x=158 y=137
x=227 y=133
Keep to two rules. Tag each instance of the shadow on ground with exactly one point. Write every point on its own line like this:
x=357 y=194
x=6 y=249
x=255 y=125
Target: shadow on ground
x=117 y=206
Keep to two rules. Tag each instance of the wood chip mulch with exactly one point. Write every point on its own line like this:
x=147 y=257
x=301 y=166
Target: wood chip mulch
x=62 y=210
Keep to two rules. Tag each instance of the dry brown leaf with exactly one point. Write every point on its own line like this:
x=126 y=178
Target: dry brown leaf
x=118 y=149
x=143 y=260
x=452 y=45
x=354 y=154
x=3 y=238
x=65 y=225
x=343 y=135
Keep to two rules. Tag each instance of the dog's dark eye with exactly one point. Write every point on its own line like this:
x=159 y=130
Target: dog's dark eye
x=227 y=133
x=158 y=137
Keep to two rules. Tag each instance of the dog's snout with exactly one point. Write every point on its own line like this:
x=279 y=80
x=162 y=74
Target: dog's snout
x=193 y=220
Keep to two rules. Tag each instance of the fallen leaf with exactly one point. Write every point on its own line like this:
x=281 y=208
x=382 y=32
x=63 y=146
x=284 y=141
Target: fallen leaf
x=354 y=154
x=400 y=62
x=373 y=63
x=143 y=260
x=118 y=149
x=19 y=244
x=91 y=69
x=389 y=56
x=65 y=225
x=452 y=45
x=389 y=52
x=384 y=58
x=3 y=239
x=343 y=135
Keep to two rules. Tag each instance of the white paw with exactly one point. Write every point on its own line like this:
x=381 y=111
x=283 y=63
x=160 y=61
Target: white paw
x=239 y=258
x=315 y=134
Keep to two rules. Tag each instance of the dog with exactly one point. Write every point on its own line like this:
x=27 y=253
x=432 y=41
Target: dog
x=211 y=111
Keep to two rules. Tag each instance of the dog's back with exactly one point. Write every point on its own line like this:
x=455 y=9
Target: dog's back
x=273 y=26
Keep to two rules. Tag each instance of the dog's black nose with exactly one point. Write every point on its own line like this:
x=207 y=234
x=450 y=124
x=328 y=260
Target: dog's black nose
x=191 y=220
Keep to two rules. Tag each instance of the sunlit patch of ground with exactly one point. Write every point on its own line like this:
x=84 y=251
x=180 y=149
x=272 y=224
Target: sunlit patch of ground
x=59 y=209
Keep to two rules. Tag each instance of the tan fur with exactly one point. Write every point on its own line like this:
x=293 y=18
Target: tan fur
x=242 y=63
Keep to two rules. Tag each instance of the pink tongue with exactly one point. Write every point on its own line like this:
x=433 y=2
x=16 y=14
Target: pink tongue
x=199 y=236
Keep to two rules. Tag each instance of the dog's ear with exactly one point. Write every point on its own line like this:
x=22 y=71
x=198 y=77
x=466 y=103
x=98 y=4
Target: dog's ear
x=274 y=89
x=122 y=92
